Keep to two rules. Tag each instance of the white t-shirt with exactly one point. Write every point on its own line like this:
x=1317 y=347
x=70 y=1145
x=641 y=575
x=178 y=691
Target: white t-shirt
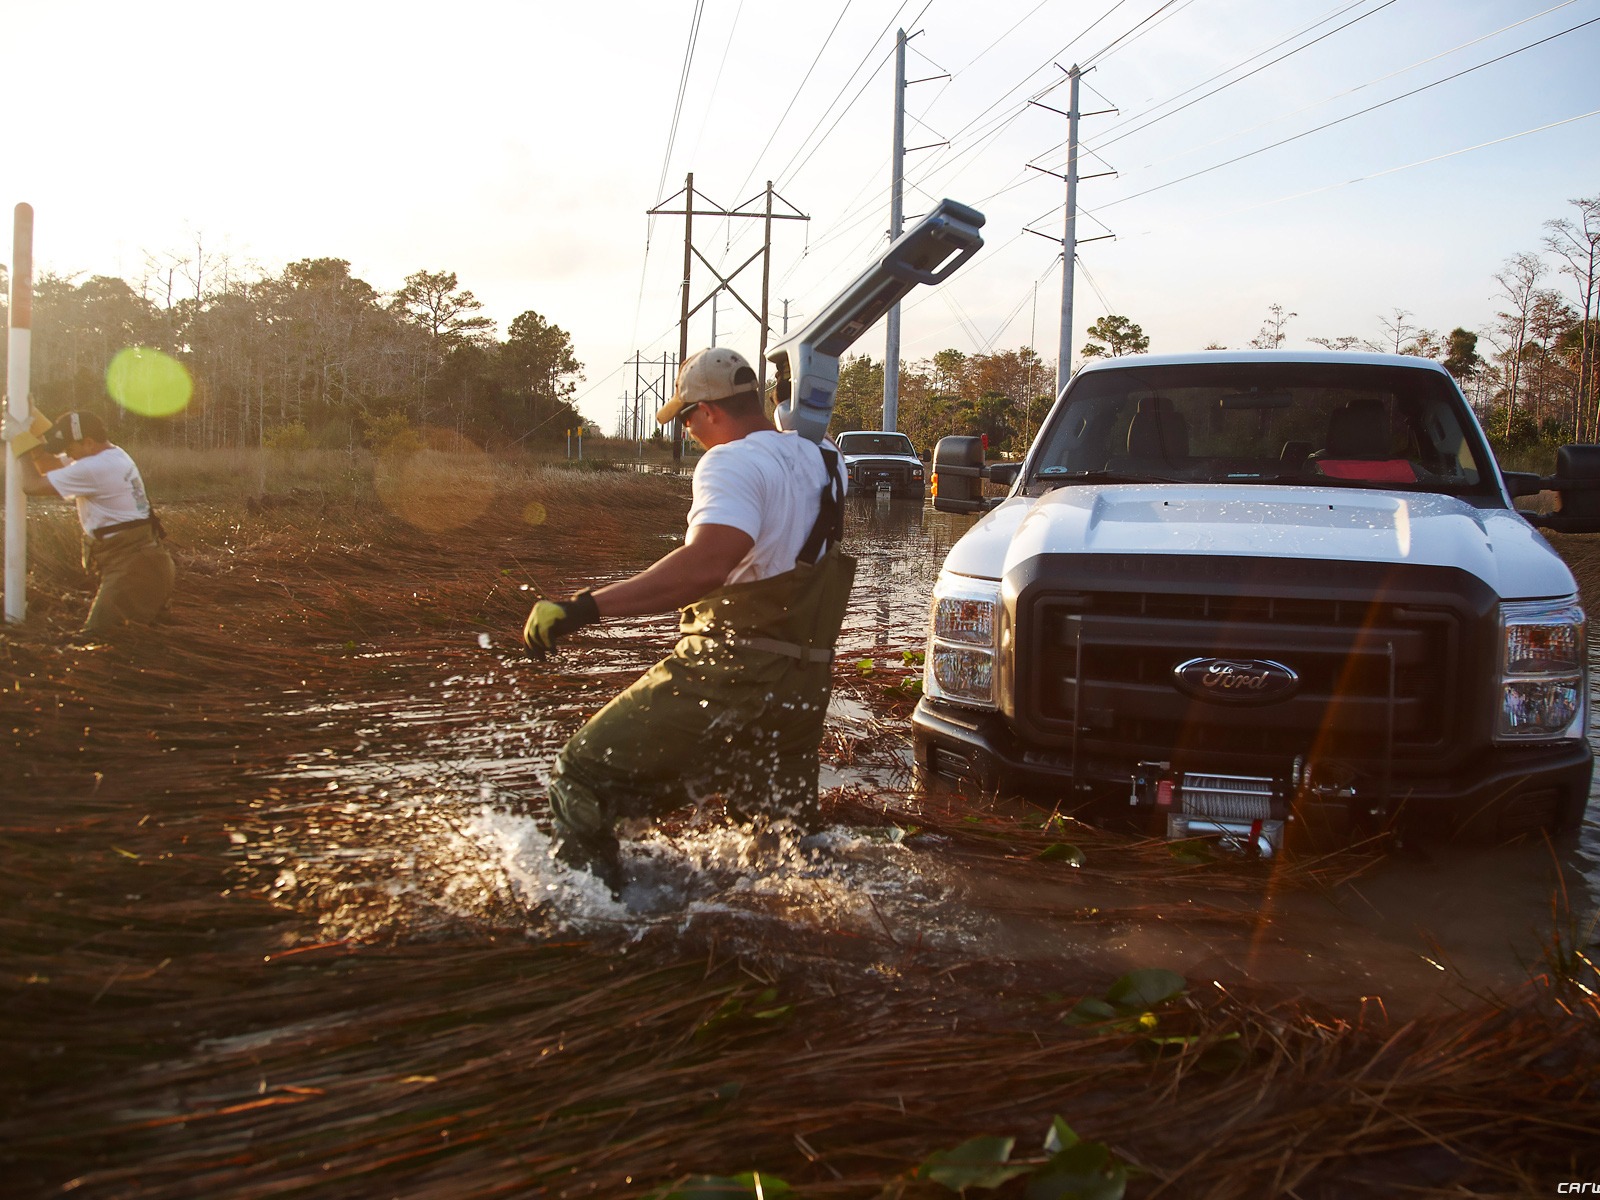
x=107 y=487
x=766 y=484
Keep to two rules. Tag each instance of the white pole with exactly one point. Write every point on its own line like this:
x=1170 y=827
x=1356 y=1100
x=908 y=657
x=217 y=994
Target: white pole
x=1069 y=238
x=891 y=355
x=18 y=347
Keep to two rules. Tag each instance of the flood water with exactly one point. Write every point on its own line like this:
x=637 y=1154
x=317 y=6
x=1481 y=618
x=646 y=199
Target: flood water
x=421 y=811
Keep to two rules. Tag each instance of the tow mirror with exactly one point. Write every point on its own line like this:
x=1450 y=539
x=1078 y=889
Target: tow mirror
x=958 y=475
x=1577 y=487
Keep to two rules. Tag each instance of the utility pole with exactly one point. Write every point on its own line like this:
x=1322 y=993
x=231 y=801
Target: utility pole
x=724 y=282
x=1069 y=233
x=1069 y=237
x=891 y=353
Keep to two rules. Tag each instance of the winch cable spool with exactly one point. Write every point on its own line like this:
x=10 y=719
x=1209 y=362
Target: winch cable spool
x=807 y=375
x=1243 y=811
x=1228 y=797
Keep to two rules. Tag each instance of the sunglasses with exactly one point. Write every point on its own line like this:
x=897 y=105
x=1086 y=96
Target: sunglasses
x=687 y=411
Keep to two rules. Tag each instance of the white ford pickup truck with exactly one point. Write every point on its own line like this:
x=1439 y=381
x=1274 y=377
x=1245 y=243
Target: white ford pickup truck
x=1254 y=595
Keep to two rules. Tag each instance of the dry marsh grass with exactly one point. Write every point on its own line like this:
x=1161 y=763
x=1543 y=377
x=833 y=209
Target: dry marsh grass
x=173 y=1030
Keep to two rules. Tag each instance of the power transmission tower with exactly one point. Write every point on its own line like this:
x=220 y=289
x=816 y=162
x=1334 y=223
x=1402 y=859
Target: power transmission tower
x=891 y=354
x=724 y=282
x=1069 y=234
x=650 y=390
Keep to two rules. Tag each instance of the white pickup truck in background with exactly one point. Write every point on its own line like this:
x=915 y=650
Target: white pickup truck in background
x=879 y=461
x=1260 y=593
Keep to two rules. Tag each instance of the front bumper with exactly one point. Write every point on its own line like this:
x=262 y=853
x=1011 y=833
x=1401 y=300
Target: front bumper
x=899 y=476
x=1502 y=790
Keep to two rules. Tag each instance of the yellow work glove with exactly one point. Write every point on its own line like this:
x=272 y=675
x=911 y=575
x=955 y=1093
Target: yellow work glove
x=550 y=620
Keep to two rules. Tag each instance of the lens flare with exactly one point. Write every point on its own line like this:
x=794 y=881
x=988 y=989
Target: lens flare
x=534 y=513
x=438 y=488
x=149 y=382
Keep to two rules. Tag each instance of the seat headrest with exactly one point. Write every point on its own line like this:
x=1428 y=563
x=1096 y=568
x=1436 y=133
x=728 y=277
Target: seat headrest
x=1359 y=430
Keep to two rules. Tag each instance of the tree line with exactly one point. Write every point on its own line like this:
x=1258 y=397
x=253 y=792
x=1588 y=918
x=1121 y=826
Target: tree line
x=312 y=356
x=1530 y=372
x=316 y=356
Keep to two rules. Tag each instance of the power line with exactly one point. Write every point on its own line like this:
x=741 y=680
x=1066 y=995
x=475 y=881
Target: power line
x=1273 y=62
x=1101 y=53
x=672 y=137
x=756 y=162
x=716 y=84
x=789 y=170
x=923 y=182
x=683 y=87
x=785 y=175
x=1368 y=83
x=1351 y=116
x=1421 y=162
x=1149 y=25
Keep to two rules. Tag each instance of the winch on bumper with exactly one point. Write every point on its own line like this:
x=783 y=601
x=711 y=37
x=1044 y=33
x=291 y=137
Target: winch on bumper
x=1247 y=698
x=1501 y=793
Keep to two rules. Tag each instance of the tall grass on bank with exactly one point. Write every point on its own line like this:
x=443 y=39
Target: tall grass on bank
x=175 y=476
x=172 y=1028
x=283 y=511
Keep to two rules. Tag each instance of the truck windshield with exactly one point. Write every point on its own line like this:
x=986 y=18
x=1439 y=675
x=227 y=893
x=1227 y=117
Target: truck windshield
x=875 y=443
x=1322 y=424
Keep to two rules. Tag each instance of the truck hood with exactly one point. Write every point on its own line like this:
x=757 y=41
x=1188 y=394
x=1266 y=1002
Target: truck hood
x=1338 y=524
x=910 y=460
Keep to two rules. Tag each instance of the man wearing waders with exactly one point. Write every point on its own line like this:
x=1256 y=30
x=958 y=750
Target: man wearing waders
x=737 y=708
x=121 y=536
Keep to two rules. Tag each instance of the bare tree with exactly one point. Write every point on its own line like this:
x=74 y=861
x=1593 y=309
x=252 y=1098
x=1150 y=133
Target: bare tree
x=1519 y=288
x=1396 y=330
x=1272 y=336
x=1577 y=244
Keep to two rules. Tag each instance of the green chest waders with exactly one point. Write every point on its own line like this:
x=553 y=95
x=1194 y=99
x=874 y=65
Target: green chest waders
x=737 y=708
x=136 y=578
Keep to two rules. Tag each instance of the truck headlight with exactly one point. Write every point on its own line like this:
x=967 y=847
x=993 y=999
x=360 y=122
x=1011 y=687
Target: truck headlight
x=963 y=627
x=1543 y=671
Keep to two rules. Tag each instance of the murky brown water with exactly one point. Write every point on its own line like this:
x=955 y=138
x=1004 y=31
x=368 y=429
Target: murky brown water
x=415 y=812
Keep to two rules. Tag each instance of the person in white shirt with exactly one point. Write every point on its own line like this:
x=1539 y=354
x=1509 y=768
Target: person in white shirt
x=737 y=708
x=122 y=539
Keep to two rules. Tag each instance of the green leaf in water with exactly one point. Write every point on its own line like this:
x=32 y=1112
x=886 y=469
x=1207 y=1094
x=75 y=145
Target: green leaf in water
x=982 y=1162
x=1081 y=1171
x=1062 y=852
x=1091 y=1011
x=1059 y=1137
x=1145 y=989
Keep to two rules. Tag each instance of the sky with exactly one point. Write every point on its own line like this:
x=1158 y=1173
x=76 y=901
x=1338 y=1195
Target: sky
x=1343 y=160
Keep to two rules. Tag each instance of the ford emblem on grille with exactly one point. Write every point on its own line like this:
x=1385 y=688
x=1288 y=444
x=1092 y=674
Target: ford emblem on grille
x=1236 y=680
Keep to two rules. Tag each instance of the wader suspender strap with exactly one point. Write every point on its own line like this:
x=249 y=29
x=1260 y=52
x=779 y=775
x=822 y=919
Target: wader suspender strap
x=829 y=526
x=828 y=529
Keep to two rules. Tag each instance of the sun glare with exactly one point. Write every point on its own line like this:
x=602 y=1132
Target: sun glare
x=148 y=382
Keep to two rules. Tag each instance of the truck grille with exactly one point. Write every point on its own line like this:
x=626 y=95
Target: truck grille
x=870 y=474
x=1376 y=676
